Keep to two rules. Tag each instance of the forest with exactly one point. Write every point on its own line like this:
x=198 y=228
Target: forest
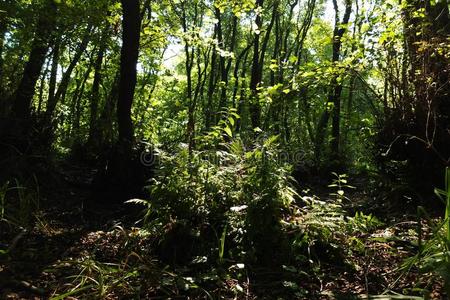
x=224 y=149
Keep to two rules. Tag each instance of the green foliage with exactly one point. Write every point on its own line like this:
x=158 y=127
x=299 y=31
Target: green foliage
x=227 y=89
x=340 y=182
x=19 y=204
x=445 y=196
x=96 y=279
x=317 y=221
x=240 y=192
x=362 y=223
x=434 y=253
x=223 y=130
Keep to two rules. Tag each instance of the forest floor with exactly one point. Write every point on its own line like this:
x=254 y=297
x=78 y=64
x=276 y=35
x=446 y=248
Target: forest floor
x=75 y=248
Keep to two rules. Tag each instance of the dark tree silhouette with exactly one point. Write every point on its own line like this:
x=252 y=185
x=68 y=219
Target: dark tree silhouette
x=128 y=61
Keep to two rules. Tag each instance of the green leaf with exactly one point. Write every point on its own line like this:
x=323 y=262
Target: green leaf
x=273 y=67
x=293 y=59
x=271 y=140
x=72 y=292
x=235 y=115
x=228 y=131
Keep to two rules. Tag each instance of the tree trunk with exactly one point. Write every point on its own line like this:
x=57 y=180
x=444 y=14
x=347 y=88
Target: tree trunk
x=105 y=122
x=189 y=63
x=211 y=85
x=95 y=95
x=335 y=96
x=53 y=72
x=21 y=109
x=258 y=63
x=256 y=72
x=222 y=67
x=79 y=99
x=41 y=89
x=122 y=176
x=3 y=30
x=226 y=71
x=128 y=61
x=64 y=84
x=242 y=57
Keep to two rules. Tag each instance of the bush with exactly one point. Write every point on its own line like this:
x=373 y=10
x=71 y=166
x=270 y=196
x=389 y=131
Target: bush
x=237 y=191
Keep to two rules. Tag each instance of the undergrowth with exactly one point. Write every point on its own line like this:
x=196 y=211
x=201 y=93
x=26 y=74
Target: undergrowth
x=220 y=224
x=237 y=209
x=434 y=250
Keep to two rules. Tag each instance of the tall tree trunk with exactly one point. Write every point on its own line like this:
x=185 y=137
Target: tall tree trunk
x=79 y=99
x=53 y=72
x=191 y=100
x=95 y=94
x=64 y=84
x=128 y=74
x=426 y=37
x=189 y=63
x=241 y=57
x=222 y=67
x=211 y=84
x=226 y=70
x=122 y=175
x=240 y=104
x=258 y=63
x=105 y=122
x=334 y=95
x=303 y=31
x=41 y=89
x=21 y=109
x=256 y=72
x=276 y=106
x=73 y=103
x=3 y=30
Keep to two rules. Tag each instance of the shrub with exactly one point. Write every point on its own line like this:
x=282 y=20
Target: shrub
x=237 y=190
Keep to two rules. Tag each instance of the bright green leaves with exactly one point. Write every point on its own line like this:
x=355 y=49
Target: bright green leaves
x=293 y=59
x=330 y=106
x=224 y=128
x=315 y=75
x=387 y=36
x=269 y=94
x=365 y=27
x=228 y=131
x=231 y=120
x=273 y=67
x=274 y=90
x=237 y=7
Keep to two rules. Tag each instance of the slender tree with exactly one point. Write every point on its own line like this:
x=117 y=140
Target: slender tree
x=334 y=95
x=64 y=84
x=54 y=72
x=255 y=109
x=95 y=93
